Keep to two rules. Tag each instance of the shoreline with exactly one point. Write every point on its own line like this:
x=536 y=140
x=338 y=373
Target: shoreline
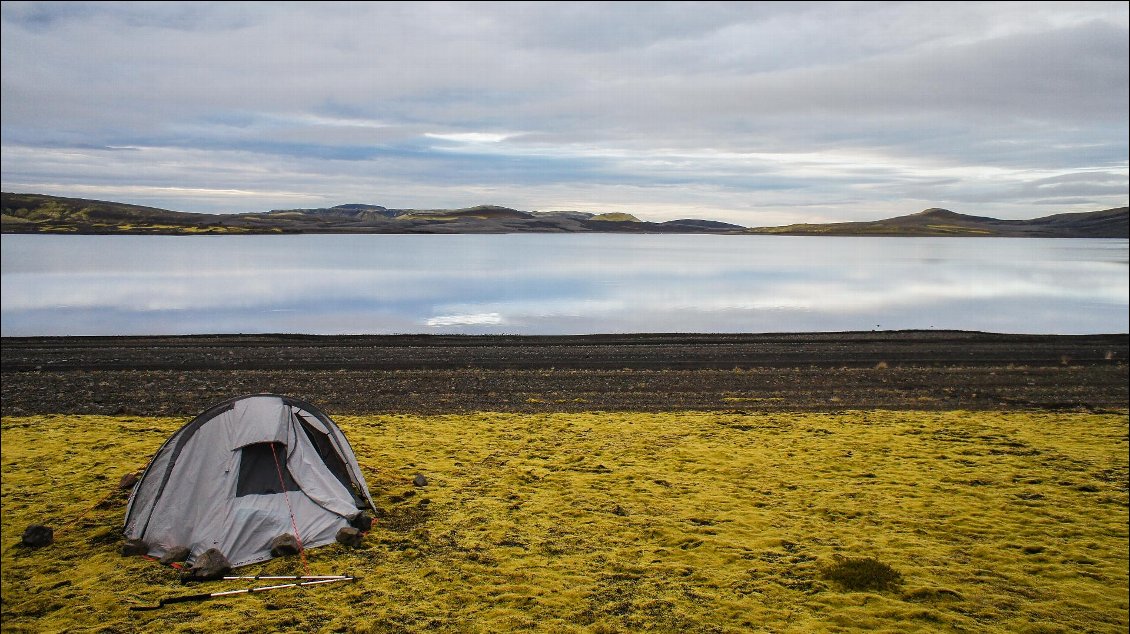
x=435 y=374
x=630 y=350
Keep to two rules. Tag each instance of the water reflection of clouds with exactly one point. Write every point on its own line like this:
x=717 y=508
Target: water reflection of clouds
x=858 y=302
x=560 y=284
x=179 y=290
x=465 y=319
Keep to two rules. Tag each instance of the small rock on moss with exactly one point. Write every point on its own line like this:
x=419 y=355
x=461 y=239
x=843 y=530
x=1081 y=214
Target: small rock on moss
x=38 y=535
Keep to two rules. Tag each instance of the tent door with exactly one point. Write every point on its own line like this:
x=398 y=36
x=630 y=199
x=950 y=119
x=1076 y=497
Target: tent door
x=260 y=465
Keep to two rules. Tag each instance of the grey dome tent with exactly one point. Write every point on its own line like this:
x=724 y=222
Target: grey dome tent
x=244 y=472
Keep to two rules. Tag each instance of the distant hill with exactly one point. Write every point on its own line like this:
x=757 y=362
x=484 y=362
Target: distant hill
x=24 y=213
x=1109 y=223
x=38 y=213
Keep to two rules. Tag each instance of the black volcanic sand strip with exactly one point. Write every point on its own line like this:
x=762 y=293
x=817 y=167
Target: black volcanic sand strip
x=434 y=374
x=645 y=351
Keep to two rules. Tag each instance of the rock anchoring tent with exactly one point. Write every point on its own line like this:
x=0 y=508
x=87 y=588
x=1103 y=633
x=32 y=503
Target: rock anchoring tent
x=244 y=472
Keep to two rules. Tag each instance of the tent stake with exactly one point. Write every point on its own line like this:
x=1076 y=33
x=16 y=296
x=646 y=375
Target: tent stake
x=212 y=595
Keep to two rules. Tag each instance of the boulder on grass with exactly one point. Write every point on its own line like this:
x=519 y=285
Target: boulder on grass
x=129 y=480
x=283 y=545
x=38 y=536
x=420 y=480
x=210 y=565
x=362 y=521
x=349 y=536
x=175 y=555
x=134 y=547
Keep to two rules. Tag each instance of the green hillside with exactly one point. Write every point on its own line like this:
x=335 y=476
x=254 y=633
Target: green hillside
x=38 y=213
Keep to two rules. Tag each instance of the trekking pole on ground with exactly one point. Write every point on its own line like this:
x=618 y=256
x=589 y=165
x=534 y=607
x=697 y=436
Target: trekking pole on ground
x=274 y=578
x=212 y=595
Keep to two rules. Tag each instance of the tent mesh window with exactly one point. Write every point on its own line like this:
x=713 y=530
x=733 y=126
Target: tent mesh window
x=259 y=471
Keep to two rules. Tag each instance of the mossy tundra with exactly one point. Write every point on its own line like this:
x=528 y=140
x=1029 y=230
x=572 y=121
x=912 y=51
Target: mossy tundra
x=603 y=522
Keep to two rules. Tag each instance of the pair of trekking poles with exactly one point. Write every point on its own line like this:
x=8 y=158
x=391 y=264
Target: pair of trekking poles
x=299 y=581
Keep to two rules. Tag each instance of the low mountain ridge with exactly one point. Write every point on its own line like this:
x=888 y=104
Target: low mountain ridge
x=354 y=210
x=39 y=213
x=939 y=214
x=1108 y=223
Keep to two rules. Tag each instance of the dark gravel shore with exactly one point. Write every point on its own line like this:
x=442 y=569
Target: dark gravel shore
x=928 y=370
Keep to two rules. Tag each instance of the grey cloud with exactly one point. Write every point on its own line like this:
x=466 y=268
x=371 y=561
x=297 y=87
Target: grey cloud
x=588 y=26
x=1075 y=76
x=190 y=16
x=654 y=96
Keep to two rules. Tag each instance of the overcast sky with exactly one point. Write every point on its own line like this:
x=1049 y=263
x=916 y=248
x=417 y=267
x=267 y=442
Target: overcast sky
x=755 y=113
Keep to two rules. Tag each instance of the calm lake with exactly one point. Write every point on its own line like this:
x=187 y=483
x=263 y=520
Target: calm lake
x=558 y=284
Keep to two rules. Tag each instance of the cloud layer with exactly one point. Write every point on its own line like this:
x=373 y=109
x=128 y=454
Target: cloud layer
x=756 y=113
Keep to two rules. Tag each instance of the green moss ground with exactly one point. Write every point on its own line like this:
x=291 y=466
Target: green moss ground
x=603 y=522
